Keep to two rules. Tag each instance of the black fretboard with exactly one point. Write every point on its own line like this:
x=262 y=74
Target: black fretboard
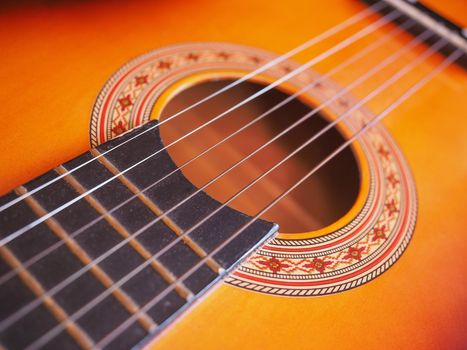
x=58 y=250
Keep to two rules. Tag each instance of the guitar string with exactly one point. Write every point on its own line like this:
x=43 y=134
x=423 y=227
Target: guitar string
x=445 y=63
x=28 y=307
x=306 y=45
x=382 y=21
x=79 y=313
x=355 y=37
x=396 y=31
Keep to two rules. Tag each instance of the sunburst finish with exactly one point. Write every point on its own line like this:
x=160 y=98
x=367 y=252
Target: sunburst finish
x=56 y=58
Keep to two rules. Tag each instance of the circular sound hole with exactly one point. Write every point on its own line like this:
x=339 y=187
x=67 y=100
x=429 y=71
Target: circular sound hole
x=321 y=200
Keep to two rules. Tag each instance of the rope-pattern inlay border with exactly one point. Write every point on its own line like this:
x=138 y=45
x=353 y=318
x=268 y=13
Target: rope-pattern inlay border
x=348 y=257
x=308 y=269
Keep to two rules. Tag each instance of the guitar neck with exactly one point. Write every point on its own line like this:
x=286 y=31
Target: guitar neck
x=75 y=231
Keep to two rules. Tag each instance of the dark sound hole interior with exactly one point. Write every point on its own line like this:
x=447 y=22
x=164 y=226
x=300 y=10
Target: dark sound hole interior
x=321 y=200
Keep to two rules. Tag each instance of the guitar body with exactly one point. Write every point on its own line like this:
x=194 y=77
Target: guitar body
x=55 y=60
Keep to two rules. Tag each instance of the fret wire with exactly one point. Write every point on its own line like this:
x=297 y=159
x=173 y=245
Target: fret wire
x=430 y=51
x=73 y=329
x=183 y=291
x=379 y=5
x=359 y=80
x=355 y=37
x=427 y=33
x=409 y=23
x=414 y=88
x=75 y=249
x=153 y=207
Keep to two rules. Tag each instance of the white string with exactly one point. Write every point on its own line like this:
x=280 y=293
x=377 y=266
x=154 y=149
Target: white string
x=28 y=307
x=367 y=30
x=333 y=30
x=83 y=310
x=406 y=25
x=451 y=58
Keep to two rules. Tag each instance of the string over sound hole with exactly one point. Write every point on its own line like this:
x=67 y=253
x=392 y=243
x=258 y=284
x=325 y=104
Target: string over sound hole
x=320 y=201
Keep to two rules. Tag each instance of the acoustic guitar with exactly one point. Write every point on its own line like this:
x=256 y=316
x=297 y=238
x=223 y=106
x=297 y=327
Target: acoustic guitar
x=233 y=175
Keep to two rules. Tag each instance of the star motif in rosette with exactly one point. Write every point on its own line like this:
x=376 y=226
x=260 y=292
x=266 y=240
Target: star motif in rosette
x=125 y=102
x=318 y=264
x=354 y=253
x=379 y=233
x=164 y=65
x=391 y=207
x=192 y=57
x=392 y=179
x=383 y=152
x=224 y=55
x=274 y=264
x=141 y=80
x=119 y=128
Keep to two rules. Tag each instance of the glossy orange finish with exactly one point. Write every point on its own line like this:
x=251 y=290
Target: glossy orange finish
x=55 y=58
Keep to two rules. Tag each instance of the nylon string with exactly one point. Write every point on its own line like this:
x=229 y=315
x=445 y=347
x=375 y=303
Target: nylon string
x=451 y=58
x=367 y=30
x=28 y=307
x=406 y=25
x=340 y=26
x=395 y=77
